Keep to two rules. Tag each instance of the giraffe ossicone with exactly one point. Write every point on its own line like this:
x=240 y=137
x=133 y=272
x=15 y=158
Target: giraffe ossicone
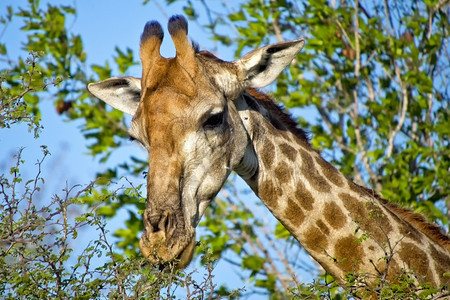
x=200 y=118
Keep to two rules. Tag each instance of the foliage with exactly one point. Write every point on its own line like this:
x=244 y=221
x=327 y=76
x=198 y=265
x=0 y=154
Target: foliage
x=14 y=107
x=377 y=77
x=58 y=58
x=38 y=259
x=375 y=73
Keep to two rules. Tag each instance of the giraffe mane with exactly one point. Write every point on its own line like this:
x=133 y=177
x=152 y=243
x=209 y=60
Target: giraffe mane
x=279 y=112
x=417 y=220
x=433 y=231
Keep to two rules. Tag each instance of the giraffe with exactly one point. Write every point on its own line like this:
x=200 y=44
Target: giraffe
x=200 y=118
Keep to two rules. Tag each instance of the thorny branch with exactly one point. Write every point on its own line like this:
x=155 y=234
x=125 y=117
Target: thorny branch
x=13 y=107
x=272 y=266
x=255 y=245
x=33 y=237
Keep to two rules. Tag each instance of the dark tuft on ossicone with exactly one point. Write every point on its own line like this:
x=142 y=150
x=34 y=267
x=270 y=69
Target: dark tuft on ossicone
x=152 y=29
x=177 y=23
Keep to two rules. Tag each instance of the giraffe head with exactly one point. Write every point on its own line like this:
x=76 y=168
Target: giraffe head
x=184 y=114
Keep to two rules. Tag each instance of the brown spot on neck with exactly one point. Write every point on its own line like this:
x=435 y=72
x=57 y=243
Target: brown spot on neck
x=315 y=240
x=349 y=253
x=323 y=227
x=268 y=154
x=315 y=179
x=283 y=173
x=303 y=196
x=368 y=216
x=334 y=216
x=269 y=193
x=294 y=215
x=417 y=261
x=330 y=172
x=288 y=151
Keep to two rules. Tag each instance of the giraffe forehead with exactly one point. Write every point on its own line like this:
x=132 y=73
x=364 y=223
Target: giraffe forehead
x=169 y=74
x=175 y=89
x=169 y=105
x=166 y=101
x=171 y=117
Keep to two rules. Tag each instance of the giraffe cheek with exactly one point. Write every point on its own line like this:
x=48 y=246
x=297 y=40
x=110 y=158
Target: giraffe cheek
x=239 y=146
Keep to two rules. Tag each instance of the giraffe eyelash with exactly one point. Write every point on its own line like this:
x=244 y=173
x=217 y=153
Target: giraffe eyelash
x=133 y=139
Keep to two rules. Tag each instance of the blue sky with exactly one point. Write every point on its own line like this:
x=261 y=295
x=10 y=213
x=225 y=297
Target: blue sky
x=103 y=25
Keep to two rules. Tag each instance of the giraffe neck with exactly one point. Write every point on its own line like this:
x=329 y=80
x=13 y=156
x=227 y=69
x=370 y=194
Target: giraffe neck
x=343 y=226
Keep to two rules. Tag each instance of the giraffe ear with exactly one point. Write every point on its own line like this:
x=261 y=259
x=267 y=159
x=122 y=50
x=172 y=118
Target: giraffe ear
x=262 y=66
x=122 y=93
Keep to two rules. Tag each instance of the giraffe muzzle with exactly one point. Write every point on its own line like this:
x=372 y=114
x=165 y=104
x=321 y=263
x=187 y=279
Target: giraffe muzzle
x=166 y=239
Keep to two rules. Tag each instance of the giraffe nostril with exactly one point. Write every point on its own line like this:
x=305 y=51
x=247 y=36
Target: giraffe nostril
x=153 y=223
x=167 y=223
x=161 y=223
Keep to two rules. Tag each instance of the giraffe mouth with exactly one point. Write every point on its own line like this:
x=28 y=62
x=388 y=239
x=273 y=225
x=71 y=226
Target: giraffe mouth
x=160 y=250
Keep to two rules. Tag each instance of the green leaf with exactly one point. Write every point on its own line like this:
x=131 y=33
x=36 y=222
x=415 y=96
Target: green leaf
x=254 y=263
x=238 y=16
x=106 y=211
x=281 y=232
x=268 y=283
x=103 y=72
x=2 y=49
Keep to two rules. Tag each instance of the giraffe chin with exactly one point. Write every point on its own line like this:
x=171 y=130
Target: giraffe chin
x=155 y=248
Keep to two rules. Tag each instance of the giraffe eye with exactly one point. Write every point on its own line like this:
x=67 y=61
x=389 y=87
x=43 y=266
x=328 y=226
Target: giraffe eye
x=214 y=121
